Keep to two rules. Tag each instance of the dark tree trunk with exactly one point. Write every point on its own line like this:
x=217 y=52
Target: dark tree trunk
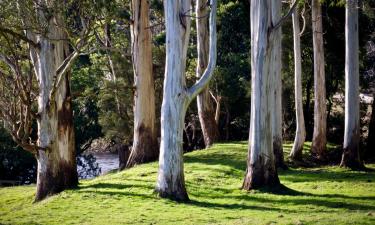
x=370 y=150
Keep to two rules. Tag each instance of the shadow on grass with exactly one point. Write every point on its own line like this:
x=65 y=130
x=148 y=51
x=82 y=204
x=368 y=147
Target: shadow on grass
x=205 y=204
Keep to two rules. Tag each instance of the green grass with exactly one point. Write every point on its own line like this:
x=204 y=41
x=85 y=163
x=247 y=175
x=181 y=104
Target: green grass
x=324 y=195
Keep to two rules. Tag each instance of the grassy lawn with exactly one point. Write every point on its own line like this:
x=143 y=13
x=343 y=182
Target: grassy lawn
x=324 y=195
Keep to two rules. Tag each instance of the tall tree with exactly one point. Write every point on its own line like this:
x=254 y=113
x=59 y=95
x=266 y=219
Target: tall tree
x=177 y=97
x=57 y=168
x=145 y=144
x=350 y=155
x=261 y=169
x=277 y=86
x=296 y=153
x=206 y=109
x=320 y=117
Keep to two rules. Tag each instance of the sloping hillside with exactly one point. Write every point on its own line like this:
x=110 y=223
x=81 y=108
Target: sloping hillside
x=325 y=195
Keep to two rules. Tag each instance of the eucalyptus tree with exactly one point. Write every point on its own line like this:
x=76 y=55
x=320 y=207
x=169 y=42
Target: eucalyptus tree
x=299 y=140
x=350 y=156
x=177 y=97
x=41 y=25
x=145 y=144
x=265 y=20
x=277 y=131
x=207 y=113
x=320 y=115
x=261 y=169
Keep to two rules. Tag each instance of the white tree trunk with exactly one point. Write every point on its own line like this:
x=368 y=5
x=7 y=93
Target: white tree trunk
x=299 y=139
x=277 y=86
x=206 y=110
x=176 y=97
x=57 y=168
x=145 y=145
x=320 y=117
x=350 y=156
x=261 y=170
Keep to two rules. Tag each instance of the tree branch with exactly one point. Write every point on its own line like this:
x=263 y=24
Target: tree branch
x=208 y=73
x=19 y=36
x=285 y=17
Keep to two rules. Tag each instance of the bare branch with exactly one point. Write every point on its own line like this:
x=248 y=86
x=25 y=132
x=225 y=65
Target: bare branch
x=19 y=36
x=285 y=17
x=208 y=73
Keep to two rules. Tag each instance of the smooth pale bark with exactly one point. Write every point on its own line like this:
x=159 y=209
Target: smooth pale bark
x=176 y=96
x=350 y=155
x=57 y=169
x=261 y=170
x=320 y=116
x=277 y=86
x=145 y=145
x=296 y=153
x=206 y=109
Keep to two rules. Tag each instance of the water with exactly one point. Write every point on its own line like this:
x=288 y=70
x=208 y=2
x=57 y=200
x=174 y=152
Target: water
x=106 y=161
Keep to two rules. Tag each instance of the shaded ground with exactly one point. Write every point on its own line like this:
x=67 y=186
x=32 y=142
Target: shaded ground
x=324 y=195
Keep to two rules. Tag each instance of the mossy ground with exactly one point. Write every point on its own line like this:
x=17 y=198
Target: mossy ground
x=323 y=195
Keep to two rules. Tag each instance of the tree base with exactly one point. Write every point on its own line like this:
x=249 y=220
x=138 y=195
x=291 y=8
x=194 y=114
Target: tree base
x=259 y=176
x=179 y=196
x=48 y=184
x=353 y=164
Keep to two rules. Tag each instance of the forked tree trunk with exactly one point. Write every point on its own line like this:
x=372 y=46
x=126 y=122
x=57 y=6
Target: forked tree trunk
x=145 y=145
x=350 y=156
x=261 y=170
x=57 y=169
x=176 y=97
x=296 y=153
x=320 y=116
x=206 y=109
x=277 y=86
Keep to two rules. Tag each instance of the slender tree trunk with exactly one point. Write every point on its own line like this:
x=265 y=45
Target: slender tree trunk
x=57 y=168
x=276 y=67
x=261 y=170
x=350 y=156
x=206 y=110
x=176 y=97
x=112 y=67
x=370 y=151
x=296 y=153
x=145 y=145
x=320 y=115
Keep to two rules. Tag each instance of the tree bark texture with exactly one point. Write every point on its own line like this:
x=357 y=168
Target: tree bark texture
x=57 y=169
x=277 y=86
x=206 y=109
x=177 y=97
x=261 y=170
x=296 y=153
x=145 y=145
x=370 y=150
x=350 y=156
x=320 y=116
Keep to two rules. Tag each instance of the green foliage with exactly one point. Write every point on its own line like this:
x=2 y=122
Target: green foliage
x=324 y=195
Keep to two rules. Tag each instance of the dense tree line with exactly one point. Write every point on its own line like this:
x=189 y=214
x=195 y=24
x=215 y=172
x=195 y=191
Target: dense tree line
x=74 y=71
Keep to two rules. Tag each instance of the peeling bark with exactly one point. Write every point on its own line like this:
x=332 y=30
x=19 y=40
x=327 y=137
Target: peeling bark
x=57 y=168
x=145 y=145
x=320 y=115
x=350 y=156
x=206 y=110
x=261 y=170
x=296 y=153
